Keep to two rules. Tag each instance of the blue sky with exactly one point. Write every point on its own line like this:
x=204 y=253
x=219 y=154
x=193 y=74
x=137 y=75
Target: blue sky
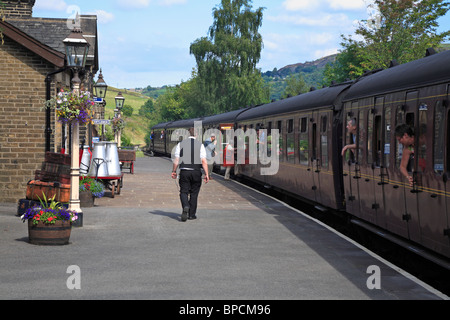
x=146 y=42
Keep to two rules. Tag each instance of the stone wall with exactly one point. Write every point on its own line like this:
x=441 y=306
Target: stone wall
x=18 y=8
x=22 y=124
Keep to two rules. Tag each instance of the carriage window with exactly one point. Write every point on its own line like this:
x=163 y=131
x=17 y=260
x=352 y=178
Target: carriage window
x=324 y=142
x=387 y=136
x=370 y=138
x=290 y=126
x=303 y=142
x=439 y=138
x=377 y=140
x=422 y=138
x=280 y=140
x=350 y=138
x=361 y=137
x=290 y=142
x=400 y=119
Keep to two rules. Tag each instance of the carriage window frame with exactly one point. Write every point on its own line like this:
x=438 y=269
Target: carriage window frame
x=440 y=114
x=400 y=118
x=387 y=136
x=303 y=142
x=361 y=135
x=290 y=141
x=324 y=156
x=280 y=124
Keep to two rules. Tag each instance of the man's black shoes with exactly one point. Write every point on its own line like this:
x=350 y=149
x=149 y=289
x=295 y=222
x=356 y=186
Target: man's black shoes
x=192 y=217
x=184 y=215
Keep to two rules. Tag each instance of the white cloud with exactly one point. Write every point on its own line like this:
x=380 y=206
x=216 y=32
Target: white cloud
x=318 y=54
x=296 y=5
x=103 y=16
x=325 y=20
x=347 y=4
x=53 y=5
x=308 y=5
x=133 y=4
x=171 y=2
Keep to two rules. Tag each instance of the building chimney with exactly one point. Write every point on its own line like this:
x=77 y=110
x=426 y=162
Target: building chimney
x=18 y=8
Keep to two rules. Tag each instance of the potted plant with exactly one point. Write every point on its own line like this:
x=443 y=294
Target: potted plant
x=71 y=107
x=89 y=190
x=49 y=223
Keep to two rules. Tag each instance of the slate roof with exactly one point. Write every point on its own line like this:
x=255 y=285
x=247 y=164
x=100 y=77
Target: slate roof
x=52 y=32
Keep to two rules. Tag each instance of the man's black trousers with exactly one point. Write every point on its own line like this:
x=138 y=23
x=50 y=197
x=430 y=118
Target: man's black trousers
x=190 y=184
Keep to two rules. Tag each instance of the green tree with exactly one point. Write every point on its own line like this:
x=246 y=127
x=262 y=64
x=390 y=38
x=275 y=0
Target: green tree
x=227 y=77
x=399 y=30
x=169 y=106
x=127 y=110
x=147 y=109
x=295 y=85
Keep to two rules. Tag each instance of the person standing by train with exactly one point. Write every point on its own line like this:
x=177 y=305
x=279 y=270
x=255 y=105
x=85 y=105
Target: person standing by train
x=405 y=135
x=190 y=156
x=210 y=146
x=351 y=129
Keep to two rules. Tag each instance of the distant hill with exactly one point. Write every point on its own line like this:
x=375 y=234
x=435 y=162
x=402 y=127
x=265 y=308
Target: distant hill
x=311 y=71
x=307 y=67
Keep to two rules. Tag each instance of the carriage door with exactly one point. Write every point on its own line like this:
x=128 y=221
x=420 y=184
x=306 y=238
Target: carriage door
x=411 y=213
x=444 y=163
x=314 y=133
x=378 y=155
x=350 y=162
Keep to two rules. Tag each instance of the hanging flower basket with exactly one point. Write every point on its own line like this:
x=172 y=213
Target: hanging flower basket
x=117 y=124
x=72 y=108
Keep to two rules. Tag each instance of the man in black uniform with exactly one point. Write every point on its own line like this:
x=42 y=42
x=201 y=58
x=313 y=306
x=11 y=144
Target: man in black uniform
x=190 y=155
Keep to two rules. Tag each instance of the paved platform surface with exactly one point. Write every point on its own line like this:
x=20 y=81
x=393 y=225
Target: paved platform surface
x=244 y=245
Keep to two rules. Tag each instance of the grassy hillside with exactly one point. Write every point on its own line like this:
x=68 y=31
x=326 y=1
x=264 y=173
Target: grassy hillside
x=136 y=126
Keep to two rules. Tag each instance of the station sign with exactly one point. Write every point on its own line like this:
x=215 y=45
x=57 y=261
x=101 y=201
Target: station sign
x=101 y=122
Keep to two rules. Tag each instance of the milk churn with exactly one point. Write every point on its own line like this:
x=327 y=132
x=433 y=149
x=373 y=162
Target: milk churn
x=85 y=161
x=98 y=163
x=112 y=159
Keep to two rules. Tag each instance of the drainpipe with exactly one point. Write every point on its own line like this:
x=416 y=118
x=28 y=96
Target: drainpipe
x=48 y=128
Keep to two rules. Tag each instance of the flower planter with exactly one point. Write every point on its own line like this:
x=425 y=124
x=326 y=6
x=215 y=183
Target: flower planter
x=57 y=234
x=86 y=199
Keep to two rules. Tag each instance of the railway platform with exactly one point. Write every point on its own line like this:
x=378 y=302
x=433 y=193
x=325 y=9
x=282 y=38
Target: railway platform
x=244 y=246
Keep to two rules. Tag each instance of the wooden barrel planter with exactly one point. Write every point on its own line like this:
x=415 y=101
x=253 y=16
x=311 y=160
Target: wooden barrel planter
x=86 y=199
x=57 y=234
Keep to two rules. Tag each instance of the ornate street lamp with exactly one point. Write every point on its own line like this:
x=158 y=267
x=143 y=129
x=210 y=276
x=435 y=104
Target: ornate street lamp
x=100 y=87
x=77 y=49
x=120 y=100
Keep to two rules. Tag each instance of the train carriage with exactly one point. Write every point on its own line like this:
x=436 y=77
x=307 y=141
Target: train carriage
x=417 y=94
x=158 y=144
x=308 y=159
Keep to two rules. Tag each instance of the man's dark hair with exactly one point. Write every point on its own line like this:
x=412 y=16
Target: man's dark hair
x=402 y=129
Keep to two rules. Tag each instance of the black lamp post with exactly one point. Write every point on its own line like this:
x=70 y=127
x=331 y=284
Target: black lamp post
x=76 y=54
x=100 y=89
x=120 y=100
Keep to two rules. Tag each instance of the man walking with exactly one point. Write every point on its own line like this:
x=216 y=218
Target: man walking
x=190 y=156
